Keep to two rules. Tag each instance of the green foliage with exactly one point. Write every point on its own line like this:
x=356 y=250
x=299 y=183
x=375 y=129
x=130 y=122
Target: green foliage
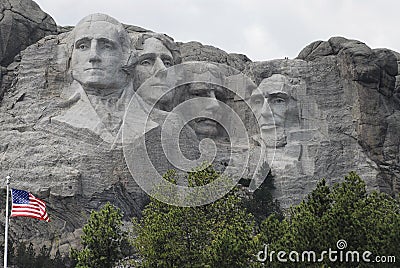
x=367 y=222
x=101 y=240
x=214 y=235
x=262 y=204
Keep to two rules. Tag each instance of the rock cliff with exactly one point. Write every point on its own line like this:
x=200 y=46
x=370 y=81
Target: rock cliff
x=345 y=116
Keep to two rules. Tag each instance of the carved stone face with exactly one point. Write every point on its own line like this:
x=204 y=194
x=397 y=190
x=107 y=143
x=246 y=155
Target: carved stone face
x=152 y=58
x=204 y=126
x=97 y=57
x=272 y=105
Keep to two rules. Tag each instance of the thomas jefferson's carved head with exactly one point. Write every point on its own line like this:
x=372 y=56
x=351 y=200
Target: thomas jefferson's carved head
x=154 y=54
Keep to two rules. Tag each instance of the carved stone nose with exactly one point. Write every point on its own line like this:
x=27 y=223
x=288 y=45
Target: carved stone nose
x=266 y=112
x=94 y=53
x=94 y=58
x=213 y=103
x=158 y=65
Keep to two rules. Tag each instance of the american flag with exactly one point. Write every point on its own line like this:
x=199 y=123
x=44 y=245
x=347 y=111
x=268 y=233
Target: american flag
x=24 y=204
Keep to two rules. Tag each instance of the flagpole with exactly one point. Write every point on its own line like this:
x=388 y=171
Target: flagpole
x=6 y=226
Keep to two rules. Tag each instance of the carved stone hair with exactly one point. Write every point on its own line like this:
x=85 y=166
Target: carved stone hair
x=167 y=41
x=278 y=79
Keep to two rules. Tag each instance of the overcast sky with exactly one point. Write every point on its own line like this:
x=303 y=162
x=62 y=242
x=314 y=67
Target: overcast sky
x=262 y=30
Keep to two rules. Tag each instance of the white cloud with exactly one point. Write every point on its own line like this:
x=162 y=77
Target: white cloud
x=260 y=43
x=260 y=29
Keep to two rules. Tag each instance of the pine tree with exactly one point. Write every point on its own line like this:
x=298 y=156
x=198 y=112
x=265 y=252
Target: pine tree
x=214 y=235
x=261 y=203
x=367 y=222
x=101 y=239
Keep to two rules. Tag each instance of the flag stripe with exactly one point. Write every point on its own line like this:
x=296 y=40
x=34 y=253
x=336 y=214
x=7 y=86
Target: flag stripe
x=19 y=210
x=25 y=208
x=26 y=213
x=26 y=205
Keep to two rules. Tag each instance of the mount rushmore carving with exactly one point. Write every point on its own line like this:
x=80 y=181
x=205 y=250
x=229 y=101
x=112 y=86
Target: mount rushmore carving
x=73 y=102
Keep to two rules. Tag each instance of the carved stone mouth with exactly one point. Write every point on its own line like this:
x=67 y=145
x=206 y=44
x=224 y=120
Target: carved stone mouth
x=159 y=85
x=93 y=68
x=206 y=121
x=267 y=127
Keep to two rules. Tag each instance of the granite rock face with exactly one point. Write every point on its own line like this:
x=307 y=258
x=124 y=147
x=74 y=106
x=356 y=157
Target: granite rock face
x=347 y=108
x=344 y=116
x=195 y=51
x=370 y=76
x=72 y=169
x=22 y=23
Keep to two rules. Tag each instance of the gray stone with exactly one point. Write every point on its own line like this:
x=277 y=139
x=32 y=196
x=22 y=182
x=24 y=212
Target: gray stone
x=101 y=88
x=71 y=167
x=195 y=51
x=56 y=144
x=22 y=23
x=344 y=92
x=344 y=115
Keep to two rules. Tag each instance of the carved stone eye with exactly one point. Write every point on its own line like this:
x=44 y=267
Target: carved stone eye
x=82 y=46
x=199 y=94
x=145 y=62
x=167 y=63
x=107 y=46
x=257 y=101
x=278 y=101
